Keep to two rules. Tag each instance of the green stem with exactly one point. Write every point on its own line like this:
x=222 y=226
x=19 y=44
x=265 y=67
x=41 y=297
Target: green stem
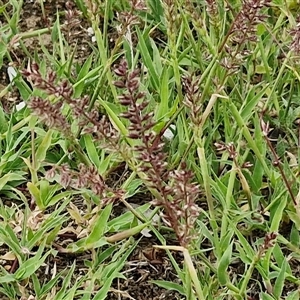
x=248 y=137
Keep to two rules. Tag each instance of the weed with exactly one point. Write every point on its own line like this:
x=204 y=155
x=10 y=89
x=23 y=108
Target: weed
x=88 y=171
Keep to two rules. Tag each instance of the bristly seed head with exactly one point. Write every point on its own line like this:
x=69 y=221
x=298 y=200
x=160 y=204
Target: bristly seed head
x=177 y=193
x=243 y=30
x=295 y=33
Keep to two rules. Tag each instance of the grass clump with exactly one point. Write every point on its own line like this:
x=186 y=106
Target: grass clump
x=155 y=151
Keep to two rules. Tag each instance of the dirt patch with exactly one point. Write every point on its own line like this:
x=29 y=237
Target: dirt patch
x=145 y=265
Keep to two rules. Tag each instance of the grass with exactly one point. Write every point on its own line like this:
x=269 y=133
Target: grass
x=223 y=76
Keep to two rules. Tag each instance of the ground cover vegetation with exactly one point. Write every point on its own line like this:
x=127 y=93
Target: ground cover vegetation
x=149 y=149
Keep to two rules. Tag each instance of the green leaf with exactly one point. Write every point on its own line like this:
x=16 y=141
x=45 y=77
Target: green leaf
x=10 y=177
x=13 y=21
x=126 y=233
x=8 y=237
x=157 y=10
x=46 y=229
x=163 y=107
x=276 y=213
x=47 y=226
x=49 y=285
x=261 y=69
x=148 y=61
x=169 y=286
x=81 y=5
x=30 y=266
x=66 y=283
x=3 y=121
x=251 y=102
x=294 y=236
x=223 y=265
x=44 y=186
x=106 y=161
x=279 y=257
x=23 y=88
x=114 y=118
x=81 y=245
x=72 y=291
x=7 y=278
x=248 y=136
x=248 y=250
x=35 y=192
x=103 y=255
x=157 y=59
x=115 y=269
x=242 y=254
x=265 y=296
x=100 y=226
x=279 y=283
x=226 y=240
x=293 y=296
x=133 y=187
x=81 y=78
x=53 y=200
x=124 y=221
x=36 y=284
x=295 y=218
x=91 y=150
x=43 y=148
x=3 y=49
x=2 y=7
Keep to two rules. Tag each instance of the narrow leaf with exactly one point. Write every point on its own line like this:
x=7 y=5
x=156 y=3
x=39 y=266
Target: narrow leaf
x=279 y=283
x=223 y=265
x=168 y=285
x=35 y=192
x=91 y=150
x=100 y=226
x=43 y=148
